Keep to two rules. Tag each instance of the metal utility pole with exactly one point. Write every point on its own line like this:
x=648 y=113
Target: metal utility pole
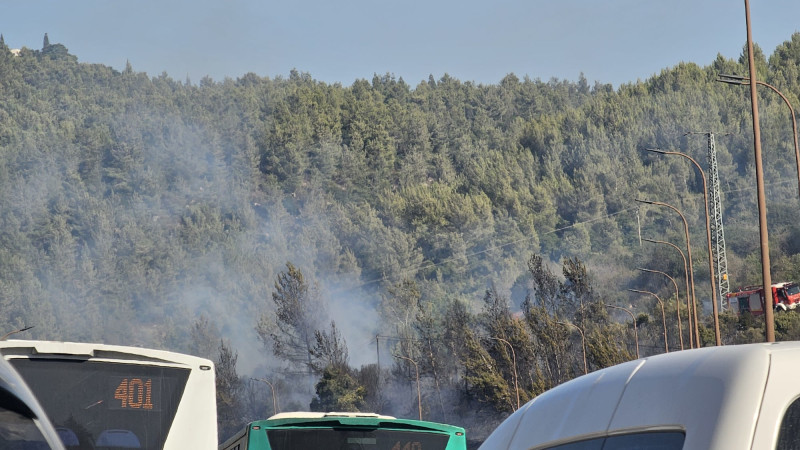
x=717 y=231
x=663 y=315
x=272 y=388
x=583 y=344
x=736 y=79
x=419 y=392
x=766 y=276
x=691 y=271
x=677 y=302
x=688 y=298
x=711 y=275
x=633 y=318
x=514 y=362
x=720 y=258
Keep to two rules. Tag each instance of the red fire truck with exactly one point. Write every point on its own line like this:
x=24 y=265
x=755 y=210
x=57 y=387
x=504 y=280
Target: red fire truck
x=785 y=296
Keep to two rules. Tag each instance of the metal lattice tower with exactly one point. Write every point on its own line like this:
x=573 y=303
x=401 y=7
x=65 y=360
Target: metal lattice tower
x=717 y=232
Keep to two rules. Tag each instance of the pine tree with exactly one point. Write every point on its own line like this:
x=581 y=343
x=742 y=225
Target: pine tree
x=298 y=315
x=46 y=42
x=229 y=388
x=330 y=350
x=3 y=47
x=338 y=390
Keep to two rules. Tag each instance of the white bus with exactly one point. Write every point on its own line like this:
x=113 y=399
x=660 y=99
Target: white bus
x=111 y=397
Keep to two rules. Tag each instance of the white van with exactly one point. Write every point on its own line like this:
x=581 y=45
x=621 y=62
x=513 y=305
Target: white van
x=730 y=397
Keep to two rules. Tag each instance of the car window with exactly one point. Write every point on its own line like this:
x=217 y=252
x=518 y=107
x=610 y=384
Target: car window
x=662 y=440
x=589 y=444
x=669 y=440
x=789 y=433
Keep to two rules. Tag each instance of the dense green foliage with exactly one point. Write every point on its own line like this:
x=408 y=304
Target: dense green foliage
x=144 y=210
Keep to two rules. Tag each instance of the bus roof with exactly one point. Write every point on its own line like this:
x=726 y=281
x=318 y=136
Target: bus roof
x=318 y=419
x=34 y=348
x=319 y=415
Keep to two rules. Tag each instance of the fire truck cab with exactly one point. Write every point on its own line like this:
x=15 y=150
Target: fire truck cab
x=785 y=296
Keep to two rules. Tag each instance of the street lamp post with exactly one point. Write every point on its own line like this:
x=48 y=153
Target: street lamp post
x=740 y=80
x=691 y=269
x=735 y=79
x=419 y=393
x=514 y=362
x=3 y=338
x=635 y=331
x=583 y=344
x=274 y=400
x=714 y=303
x=663 y=315
x=677 y=302
x=686 y=276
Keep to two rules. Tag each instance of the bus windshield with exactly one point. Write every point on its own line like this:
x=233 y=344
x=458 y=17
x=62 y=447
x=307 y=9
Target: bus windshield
x=354 y=439
x=96 y=404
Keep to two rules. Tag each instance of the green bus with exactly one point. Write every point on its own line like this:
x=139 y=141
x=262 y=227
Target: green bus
x=345 y=431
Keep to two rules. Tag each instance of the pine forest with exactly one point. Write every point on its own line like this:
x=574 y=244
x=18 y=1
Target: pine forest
x=435 y=248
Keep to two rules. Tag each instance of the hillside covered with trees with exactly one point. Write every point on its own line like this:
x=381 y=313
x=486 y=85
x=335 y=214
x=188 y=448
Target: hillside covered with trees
x=351 y=237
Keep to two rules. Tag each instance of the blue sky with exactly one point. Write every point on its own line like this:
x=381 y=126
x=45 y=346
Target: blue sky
x=613 y=41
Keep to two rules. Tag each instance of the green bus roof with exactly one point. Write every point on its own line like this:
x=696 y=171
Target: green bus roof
x=317 y=420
